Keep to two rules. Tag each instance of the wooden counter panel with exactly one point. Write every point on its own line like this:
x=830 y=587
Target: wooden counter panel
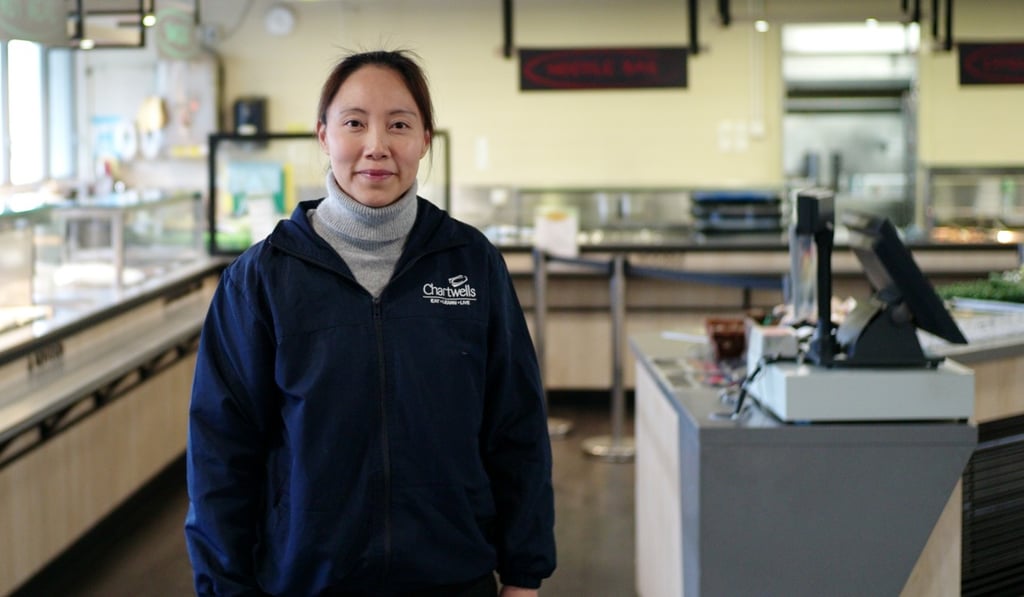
x=579 y=356
x=998 y=388
x=54 y=494
x=937 y=571
x=998 y=393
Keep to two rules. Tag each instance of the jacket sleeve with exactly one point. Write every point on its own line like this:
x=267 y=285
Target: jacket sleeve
x=226 y=454
x=516 y=447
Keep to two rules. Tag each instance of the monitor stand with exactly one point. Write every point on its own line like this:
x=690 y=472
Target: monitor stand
x=822 y=348
x=881 y=333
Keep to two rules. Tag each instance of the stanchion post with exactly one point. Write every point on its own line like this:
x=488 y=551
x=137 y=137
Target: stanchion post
x=616 y=447
x=557 y=427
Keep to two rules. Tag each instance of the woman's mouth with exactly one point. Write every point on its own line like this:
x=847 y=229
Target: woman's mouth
x=376 y=174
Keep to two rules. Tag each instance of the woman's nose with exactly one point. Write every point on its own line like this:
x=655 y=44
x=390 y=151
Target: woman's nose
x=377 y=143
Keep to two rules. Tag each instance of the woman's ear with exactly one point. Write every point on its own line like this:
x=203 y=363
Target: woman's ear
x=321 y=135
x=426 y=144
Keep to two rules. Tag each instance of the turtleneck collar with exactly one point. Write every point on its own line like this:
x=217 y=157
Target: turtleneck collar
x=345 y=216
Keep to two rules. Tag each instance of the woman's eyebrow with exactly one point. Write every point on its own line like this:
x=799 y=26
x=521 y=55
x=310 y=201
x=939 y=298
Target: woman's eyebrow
x=363 y=111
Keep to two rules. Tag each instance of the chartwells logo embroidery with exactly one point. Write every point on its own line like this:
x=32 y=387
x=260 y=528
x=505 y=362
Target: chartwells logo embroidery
x=457 y=292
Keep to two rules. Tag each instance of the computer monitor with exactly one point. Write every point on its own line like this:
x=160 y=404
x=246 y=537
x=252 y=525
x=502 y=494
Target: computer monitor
x=881 y=331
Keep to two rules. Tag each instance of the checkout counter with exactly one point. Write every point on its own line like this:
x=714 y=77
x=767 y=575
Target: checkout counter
x=825 y=464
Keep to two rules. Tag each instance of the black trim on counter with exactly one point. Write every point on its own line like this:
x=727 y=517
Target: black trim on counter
x=55 y=400
x=50 y=424
x=745 y=281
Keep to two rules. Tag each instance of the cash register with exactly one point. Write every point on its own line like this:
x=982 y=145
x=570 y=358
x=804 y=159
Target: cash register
x=871 y=367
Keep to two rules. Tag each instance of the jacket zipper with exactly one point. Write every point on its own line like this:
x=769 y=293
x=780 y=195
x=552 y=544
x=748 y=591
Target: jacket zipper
x=385 y=449
x=382 y=379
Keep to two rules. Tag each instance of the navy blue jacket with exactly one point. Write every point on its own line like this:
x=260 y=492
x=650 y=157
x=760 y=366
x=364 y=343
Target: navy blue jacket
x=341 y=444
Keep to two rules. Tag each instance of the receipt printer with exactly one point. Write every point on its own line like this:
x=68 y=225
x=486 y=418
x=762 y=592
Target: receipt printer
x=771 y=342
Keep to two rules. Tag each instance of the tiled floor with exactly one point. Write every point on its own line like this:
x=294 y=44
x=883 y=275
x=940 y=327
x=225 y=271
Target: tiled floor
x=140 y=550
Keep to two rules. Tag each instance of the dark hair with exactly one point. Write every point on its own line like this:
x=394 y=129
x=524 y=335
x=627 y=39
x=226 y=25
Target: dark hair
x=402 y=62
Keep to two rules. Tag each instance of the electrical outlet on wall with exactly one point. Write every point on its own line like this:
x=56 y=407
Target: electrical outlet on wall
x=756 y=128
x=725 y=136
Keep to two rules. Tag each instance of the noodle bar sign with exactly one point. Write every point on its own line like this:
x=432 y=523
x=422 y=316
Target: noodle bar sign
x=611 y=68
x=991 y=63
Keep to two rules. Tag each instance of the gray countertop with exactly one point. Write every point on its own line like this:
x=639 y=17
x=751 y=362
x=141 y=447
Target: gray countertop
x=678 y=361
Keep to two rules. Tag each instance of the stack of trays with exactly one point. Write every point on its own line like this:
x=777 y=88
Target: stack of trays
x=716 y=212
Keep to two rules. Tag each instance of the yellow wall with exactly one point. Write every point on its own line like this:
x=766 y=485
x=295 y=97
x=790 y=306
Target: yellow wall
x=723 y=130
x=550 y=139
x=974 y=125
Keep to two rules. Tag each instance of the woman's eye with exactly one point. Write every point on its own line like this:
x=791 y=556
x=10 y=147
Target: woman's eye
x=401 y=125
x=351 y=124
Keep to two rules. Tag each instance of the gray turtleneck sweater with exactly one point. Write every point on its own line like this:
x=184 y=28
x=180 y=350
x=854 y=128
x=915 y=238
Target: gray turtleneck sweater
x=369 y=239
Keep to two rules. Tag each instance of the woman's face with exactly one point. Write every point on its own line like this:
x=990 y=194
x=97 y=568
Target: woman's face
x=374 y=136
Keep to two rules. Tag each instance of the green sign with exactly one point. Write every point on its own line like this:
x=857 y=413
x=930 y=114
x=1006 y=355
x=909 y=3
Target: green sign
x=177 y=37
x=42 y=21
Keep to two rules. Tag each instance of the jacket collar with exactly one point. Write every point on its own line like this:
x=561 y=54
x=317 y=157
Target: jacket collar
x=434 y=230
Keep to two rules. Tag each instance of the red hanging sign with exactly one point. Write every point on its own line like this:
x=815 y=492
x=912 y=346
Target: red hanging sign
x=609 y=68
x=991 y=63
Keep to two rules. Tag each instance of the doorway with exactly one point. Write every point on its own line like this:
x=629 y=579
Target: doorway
x=850 y=114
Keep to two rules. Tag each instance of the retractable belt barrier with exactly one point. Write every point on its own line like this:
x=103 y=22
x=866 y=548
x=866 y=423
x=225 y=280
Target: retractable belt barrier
x=617 y=447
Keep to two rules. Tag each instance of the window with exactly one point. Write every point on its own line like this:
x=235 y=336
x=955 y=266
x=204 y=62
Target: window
x=4 y=92
x=37 y=104
x=61 y=122
x=25 y=97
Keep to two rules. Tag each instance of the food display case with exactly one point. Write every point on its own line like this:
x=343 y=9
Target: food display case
x=67 y=258
x=975 y=204
x=17 y=256
x=120 y=240
x=103 y=301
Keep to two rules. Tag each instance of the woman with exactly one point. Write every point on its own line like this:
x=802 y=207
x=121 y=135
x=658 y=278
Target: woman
x=367 y=413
